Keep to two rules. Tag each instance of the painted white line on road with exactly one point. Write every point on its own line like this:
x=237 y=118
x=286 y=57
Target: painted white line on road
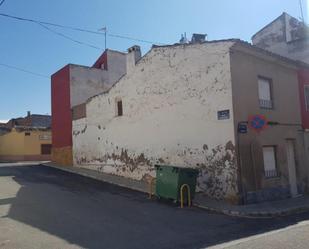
x=254 y=237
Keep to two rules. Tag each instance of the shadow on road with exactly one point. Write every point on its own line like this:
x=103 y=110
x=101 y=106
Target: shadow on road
x=92 y=214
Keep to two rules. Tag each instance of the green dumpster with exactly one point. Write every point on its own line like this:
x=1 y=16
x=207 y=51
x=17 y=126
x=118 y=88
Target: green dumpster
x=170 y=179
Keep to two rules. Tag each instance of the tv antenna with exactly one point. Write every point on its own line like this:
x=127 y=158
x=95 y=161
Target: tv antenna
x=104 y=29
x=301 y=11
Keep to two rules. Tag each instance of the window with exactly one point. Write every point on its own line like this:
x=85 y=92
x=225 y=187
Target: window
x=104 y=66
x=45 y=137
x=27 y=133
x=46 y=149
x=306 y=91
x=79 y=111
x=119 y=108
x=265 y=95
x=269 y=156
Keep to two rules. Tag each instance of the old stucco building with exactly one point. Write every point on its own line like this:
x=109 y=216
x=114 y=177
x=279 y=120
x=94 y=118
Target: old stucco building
x=289 y=37
x=71 y=86
x=26 y=139
x=286 y=36
x=183 y=105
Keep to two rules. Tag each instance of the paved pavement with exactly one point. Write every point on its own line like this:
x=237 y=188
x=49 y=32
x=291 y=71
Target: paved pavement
x=259 y=210
x=42 y=207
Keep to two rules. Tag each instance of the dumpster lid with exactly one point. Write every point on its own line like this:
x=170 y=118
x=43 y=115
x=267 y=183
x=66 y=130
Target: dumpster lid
x=176 y=167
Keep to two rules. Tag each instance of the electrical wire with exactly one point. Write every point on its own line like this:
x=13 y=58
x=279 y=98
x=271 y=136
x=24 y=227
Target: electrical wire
x=23 y=70
x=79 y=29
x=50 y=24
x=68 y=37
x=133 y=39
x=45 y=25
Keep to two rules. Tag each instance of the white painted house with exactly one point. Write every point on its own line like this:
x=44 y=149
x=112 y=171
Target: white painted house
x=170 y=100
x=174 y=106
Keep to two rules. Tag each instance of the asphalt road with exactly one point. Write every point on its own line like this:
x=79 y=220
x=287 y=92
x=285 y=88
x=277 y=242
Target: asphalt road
x=42 y=207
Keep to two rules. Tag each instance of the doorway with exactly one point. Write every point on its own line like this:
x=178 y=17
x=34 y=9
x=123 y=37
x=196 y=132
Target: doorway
x=290 y=144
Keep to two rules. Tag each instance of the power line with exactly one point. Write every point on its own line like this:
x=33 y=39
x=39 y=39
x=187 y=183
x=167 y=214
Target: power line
x=50 y=24
x=78 y=29
x=133 y=39
x=23 y=70
x=44 y=25
x=68 y=37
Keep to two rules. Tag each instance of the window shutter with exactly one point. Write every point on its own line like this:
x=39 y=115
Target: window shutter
x=264 y=89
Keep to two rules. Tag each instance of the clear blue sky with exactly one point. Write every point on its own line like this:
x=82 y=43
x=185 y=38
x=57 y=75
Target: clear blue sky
x=30 y=47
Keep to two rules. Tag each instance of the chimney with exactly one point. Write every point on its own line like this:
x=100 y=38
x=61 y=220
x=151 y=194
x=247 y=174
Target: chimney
x=28 y=113
x=198 y=38
x=133 y=56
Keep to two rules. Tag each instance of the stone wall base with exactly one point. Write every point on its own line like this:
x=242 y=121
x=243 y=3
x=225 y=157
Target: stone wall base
x=62 y=156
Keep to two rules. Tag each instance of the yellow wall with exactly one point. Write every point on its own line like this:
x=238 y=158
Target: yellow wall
x=33 y=142
x=12 y=143
x=16 y=143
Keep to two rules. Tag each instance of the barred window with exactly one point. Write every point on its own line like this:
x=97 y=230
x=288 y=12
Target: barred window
x=265 y=94
x=270 y=164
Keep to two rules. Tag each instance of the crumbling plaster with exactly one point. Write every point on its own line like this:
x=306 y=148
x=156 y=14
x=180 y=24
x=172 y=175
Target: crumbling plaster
x=170 y=104
x=286 y=36
x=85 y=82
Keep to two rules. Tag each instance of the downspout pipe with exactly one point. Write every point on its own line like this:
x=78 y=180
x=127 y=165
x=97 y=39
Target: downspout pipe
x=239 y=162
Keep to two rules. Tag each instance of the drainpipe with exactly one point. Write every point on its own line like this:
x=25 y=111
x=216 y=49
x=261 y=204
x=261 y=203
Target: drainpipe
x=253 y=165
x=241 y=184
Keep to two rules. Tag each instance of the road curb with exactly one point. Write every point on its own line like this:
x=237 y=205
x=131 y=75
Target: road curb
x=255 y=215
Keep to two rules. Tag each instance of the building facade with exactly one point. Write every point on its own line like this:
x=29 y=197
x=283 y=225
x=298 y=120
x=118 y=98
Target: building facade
x=183 y=105
x=289 y=37
x=71 y=86
x=26 y=139
x=272 y=162
x=286 y=36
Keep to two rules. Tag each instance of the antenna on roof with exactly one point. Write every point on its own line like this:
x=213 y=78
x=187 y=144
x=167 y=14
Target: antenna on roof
x=301 y=11
x=104 y=29
x=183 y=39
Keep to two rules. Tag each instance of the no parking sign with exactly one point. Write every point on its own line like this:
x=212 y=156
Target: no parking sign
x=258 y=122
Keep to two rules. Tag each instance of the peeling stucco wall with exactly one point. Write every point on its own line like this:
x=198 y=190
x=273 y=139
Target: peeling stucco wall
x=170 y=104
x=286 y=36
x=272 y=35
x=86 y=82
x=116 y=62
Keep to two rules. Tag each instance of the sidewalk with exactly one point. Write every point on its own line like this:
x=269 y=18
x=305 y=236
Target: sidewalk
x=261 y=210
x=113 y=179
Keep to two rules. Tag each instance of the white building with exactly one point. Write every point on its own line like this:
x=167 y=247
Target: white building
x=181 y=105
x=169 y=103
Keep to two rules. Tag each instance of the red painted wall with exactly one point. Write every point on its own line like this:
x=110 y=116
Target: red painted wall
x=102 y=59
x=61 y=108
x=303 y=77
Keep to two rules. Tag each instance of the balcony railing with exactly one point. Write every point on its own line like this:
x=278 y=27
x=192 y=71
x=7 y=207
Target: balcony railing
x=271 y=173
x=266 y=104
